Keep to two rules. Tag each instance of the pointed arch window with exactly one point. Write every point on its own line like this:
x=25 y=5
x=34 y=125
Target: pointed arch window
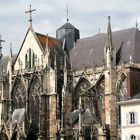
x=30 y=58
x=91 y=98
x=34 y=102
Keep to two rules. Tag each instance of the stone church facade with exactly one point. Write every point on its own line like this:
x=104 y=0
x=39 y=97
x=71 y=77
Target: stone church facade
x=66 y=87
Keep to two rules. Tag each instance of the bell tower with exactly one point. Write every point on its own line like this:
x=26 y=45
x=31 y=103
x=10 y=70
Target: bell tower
x=68 y=32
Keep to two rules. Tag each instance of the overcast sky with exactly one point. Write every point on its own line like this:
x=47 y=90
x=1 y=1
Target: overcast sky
x=86 y=15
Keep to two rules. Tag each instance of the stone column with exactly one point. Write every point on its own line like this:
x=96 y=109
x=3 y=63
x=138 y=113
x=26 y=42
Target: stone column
x=42 y=117
x=52 y=116
x=110 y=104
x=80 y=119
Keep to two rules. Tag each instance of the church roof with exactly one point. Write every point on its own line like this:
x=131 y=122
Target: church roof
x=67 y=25
x=89 y=52
x=52 y=42
x=87 y=117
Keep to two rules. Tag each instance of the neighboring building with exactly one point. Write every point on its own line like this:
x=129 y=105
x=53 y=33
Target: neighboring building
x=130 y=119
x=66 y=87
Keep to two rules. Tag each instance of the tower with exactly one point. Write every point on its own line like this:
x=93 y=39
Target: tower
x=68 y=32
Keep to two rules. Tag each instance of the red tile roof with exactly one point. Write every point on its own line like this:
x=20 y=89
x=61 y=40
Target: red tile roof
x=47 y=40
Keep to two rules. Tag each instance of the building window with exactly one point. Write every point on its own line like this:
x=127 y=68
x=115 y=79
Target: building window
x=132 y=137
x=30 y=59
x=132 y=117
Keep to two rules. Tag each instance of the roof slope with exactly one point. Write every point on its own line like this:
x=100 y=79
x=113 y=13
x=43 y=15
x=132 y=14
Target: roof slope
x=89 y=52
x=50 y=41
x=67 y=26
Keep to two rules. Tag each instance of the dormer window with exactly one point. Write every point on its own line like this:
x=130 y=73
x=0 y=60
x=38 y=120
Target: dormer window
x=30 y=59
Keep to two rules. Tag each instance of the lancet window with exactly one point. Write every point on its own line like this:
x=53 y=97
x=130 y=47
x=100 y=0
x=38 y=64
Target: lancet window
x=30 y=59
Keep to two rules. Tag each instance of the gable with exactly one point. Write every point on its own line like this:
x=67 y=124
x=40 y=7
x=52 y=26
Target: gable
x=30 y=48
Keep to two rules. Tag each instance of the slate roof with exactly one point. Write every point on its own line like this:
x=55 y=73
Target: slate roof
x=53 y=44
x=89 y=52
x=67 y=25
x=136 y=96
x=87 y=117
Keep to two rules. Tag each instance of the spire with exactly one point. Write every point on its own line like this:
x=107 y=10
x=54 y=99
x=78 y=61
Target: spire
x=10 y=53
x=109 y=34
x=48 y=51
x=109 y=52
x=30 y=14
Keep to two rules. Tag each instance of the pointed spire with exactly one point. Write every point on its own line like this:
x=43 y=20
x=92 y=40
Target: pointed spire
x=47 y=42
x=48 y=51
x=99 y=30
x=55 y=60
x=10 y=53
x=109 y=34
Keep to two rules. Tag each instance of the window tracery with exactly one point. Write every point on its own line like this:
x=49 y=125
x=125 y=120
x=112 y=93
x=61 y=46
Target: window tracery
x=91 y=97
x=122 y=88
x=34 y=102
x=30 y=58
x=100 y=99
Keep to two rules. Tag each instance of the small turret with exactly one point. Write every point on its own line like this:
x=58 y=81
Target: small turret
x=68 y=32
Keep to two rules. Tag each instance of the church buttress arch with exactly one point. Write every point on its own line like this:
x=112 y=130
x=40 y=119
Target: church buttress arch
x=19 y=95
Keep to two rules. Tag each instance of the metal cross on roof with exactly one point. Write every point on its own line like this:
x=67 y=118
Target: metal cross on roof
x=67 y=10
x=30 y=14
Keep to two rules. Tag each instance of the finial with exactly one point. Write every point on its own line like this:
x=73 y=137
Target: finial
x=10 y=50
x=99 y=30
x=47 y=41
x=130 y=59
x=136 y=24
x=67 y=10
x=30 y=14
x=109 y=33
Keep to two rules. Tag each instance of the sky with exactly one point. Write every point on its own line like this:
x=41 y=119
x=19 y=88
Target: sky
x=86 y=15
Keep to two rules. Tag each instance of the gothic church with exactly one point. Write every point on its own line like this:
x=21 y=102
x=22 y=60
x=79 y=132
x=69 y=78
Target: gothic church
x=68 y=88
